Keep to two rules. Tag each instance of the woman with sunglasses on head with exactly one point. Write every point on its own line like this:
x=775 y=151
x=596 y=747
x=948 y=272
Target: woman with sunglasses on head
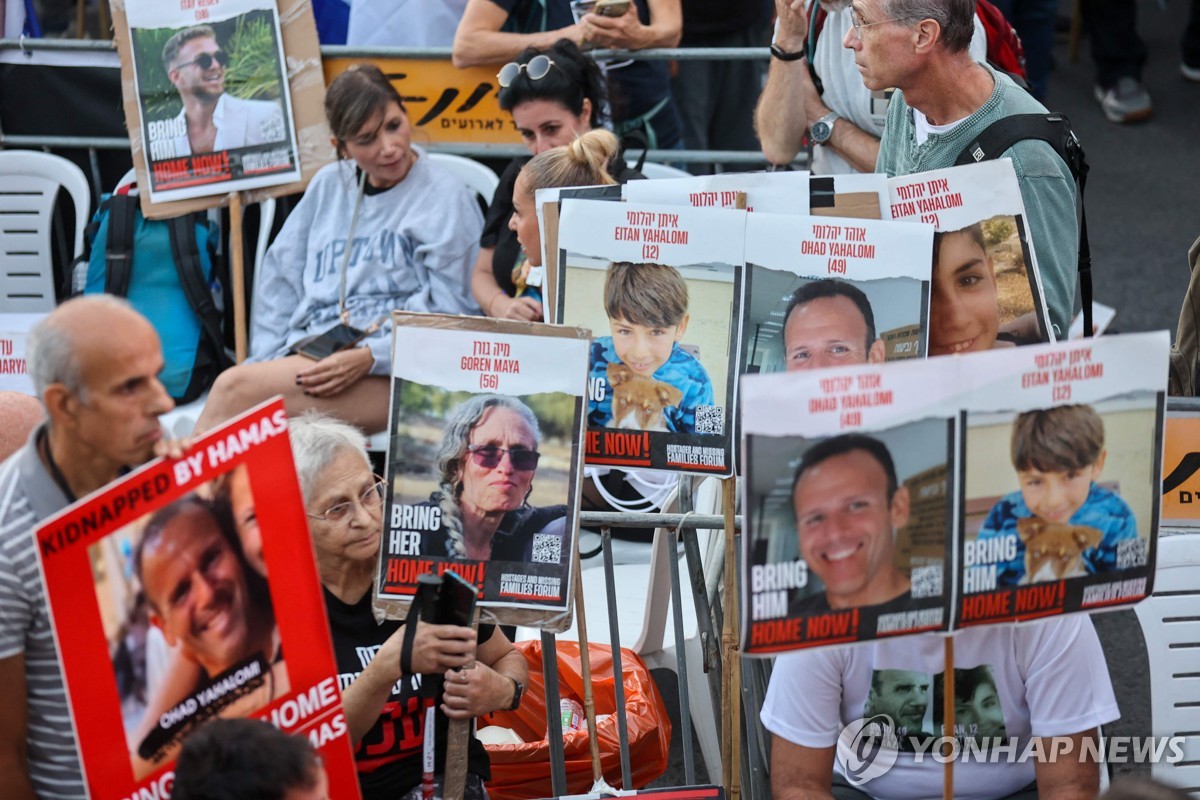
x=492 y=31
x=554 y=95
x=414 y=230
x=487 y=462
x=344 y=504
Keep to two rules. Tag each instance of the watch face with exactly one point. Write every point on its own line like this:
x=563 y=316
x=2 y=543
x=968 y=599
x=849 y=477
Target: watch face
x=821 y=131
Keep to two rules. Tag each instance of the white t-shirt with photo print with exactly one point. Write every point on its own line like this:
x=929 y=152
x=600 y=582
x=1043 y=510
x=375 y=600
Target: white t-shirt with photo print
x=1050 y=678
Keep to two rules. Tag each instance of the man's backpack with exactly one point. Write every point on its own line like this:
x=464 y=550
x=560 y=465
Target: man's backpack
x=1004 y=49
x=1185 y=353
x=1054 y=129
x=169 y=271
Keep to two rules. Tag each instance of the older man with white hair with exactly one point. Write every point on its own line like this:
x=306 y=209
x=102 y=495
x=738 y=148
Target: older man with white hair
x=95 y=364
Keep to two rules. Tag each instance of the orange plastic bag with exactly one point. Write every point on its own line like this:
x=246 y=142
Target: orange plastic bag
x=522 y=771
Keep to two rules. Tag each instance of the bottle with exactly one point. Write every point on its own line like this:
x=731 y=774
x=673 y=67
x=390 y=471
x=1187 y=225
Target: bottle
x=572 y=715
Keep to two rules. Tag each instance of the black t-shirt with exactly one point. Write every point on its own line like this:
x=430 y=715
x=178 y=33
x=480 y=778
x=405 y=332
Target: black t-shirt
x=388 y=758
x=495 y=225
x=704 y=17
x=637 y=87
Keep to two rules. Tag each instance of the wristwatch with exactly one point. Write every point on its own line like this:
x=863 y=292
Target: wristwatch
x=784 y=55
x=822 y=129
x=518 y=690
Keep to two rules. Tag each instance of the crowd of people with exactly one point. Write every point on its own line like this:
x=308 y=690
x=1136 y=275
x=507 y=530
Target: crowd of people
x=896 y=86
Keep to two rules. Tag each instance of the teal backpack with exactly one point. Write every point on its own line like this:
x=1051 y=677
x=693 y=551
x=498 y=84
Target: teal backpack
x=170 y=272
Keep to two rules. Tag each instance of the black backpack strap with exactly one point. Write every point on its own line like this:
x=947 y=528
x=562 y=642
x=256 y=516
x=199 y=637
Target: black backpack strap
x=186 y=255
x=1054 y=129
x=118 y=250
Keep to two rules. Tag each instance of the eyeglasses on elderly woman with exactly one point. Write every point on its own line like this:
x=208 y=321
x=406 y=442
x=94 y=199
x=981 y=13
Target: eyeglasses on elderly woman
x=371 y=499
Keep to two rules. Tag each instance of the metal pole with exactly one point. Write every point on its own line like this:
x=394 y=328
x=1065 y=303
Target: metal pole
x=614 y=634
x=554 y=735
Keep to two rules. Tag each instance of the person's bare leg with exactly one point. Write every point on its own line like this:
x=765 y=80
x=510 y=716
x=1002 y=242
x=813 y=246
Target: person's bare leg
x=365 y=404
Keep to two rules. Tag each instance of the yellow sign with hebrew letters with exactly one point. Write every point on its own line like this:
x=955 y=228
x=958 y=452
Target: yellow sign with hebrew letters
x=444 y=103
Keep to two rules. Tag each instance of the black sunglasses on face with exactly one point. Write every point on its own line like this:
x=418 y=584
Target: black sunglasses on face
x=205 y=60
x=489 y=456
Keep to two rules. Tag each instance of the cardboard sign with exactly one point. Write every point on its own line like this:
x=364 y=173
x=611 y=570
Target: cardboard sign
x=484 y=463
x=171 y=606
x=864 y=196
x=661 y=378
x=986 y=288
x=1008 y=485
x=14 y=370
x=826 y=292
x=1181 y=463
x=261 y=54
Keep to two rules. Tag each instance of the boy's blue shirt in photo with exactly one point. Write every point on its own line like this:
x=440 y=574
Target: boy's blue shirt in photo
x=682 y=371
x=1103 y=510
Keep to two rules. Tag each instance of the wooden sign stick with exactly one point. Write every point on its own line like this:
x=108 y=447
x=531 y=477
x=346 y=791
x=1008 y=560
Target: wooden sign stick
x=731 y=679
x=237 y=275
x=585 y=669
x=948 y=718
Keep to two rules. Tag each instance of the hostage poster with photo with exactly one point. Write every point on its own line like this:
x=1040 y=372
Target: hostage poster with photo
x=824 y=292
x=986 y=288
x=849 y=495
x=859 y=195
x=1007 y=486
x=214 y=110
x=175 y=593
x=659 y=287
x=484 y=464
x=1063 y=463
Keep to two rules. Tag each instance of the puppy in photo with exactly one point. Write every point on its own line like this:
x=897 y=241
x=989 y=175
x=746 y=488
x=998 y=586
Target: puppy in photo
x=1054 y=550
x=638 y=402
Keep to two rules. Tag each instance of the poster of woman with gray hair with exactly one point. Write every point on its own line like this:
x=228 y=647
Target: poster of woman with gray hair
x=484 y=461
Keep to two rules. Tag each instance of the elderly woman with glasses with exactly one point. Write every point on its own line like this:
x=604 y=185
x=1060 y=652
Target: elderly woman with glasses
x=487 y=462
x=344 y=503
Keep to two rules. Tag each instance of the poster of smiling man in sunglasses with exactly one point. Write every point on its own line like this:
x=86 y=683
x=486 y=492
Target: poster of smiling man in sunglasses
x=484 y=462
x=215 y=112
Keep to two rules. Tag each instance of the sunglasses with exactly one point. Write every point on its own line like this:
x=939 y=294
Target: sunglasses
x=205 y=60
x=537 y=68
x=489 y=456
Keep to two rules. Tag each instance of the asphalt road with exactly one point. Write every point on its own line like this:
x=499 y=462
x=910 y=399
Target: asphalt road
x=1143 y=193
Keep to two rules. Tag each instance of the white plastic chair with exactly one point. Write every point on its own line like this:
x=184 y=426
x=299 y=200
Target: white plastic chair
x=1172 y=630
x=653 y=170
x=475 y=175
x=29 y=182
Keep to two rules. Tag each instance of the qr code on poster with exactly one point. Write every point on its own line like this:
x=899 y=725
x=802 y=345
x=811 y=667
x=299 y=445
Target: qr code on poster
x=547 y=548
x=927 y=581
x=1132 y=553
x=710 y=419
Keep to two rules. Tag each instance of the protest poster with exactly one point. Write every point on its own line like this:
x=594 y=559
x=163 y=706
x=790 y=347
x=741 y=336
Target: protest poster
x=484 y=463
x=659 y=287
x=862 y=195
x=986 y=288
x=1181 y=464
x=1026 y=485
x=1063 y=463
x=848 y=490
x=14 y=371
x=826 y=292
x=213 y=107
x=175 y=593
